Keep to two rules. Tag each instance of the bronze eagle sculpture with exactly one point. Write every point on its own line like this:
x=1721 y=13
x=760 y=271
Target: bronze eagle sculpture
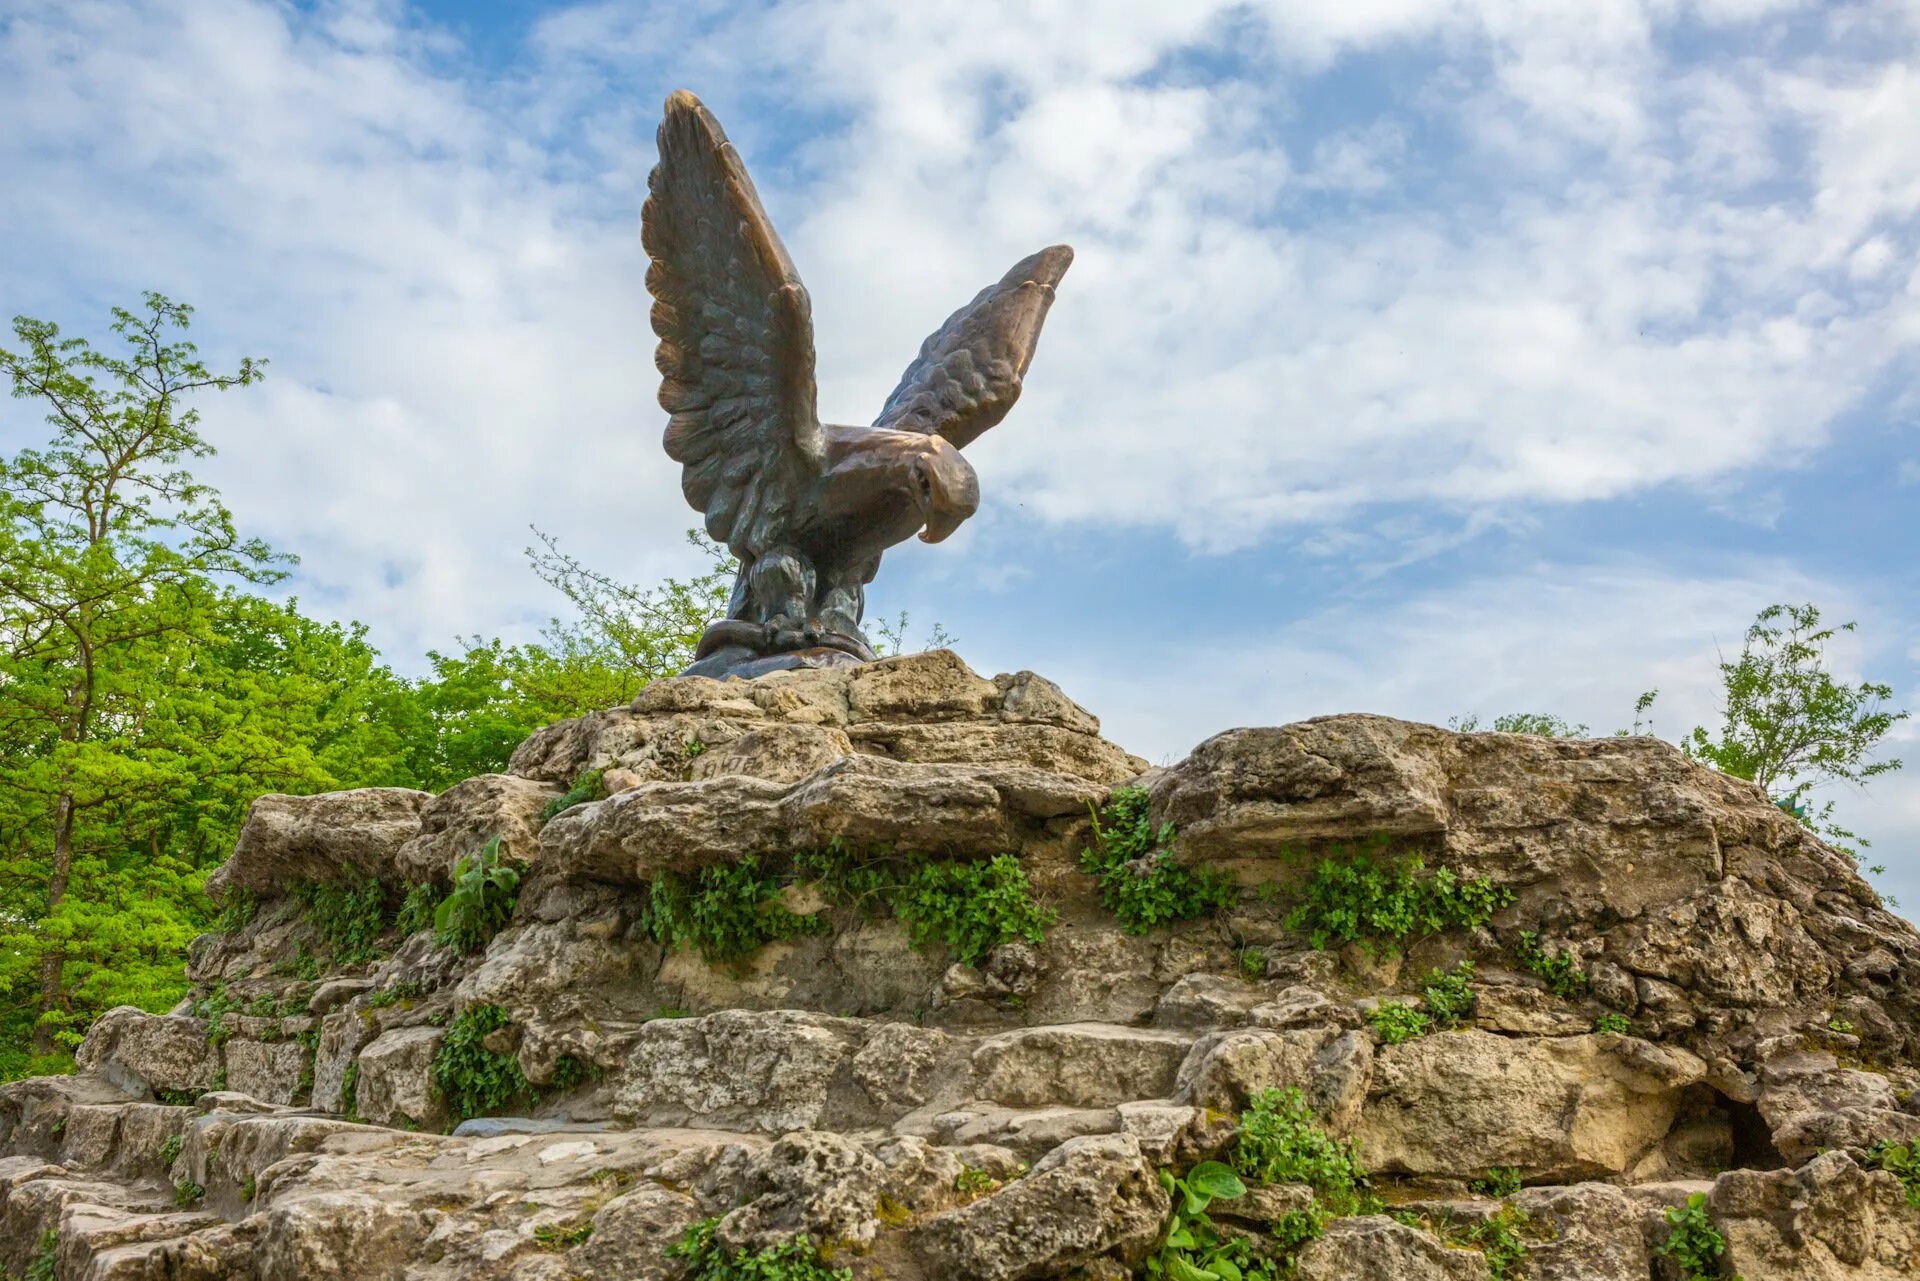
x=807 y=507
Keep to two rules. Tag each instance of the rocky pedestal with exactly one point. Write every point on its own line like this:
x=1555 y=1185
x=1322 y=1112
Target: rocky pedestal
x=1677 y=990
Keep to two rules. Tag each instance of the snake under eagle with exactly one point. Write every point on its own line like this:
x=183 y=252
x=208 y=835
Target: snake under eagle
x=807 y=507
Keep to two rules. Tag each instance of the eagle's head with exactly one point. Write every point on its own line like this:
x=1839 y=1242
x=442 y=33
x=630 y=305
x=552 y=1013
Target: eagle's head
x=944 y=487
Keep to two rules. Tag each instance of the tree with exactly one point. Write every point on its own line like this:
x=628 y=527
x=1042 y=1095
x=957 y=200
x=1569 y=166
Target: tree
x=1543 y=724
x=1788 y=725
x=109 y=552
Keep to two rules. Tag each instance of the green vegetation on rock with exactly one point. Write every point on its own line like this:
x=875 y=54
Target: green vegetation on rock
x=705 y=1259
x=1191 y=1246
x=1693 y=1243
x=727 y=911
x=971 y=907
x=587 y=787
x=1358 y=896
x=1559 y=970
x=1902 y=1161
x=1395 y=1022
x=1132 y=863
x=349 y=916
x=1280 y=1141
x=473 y=1080
x=482 y=898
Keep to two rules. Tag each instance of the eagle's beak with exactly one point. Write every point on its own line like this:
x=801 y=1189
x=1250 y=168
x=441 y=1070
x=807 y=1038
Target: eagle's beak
x=940 y=524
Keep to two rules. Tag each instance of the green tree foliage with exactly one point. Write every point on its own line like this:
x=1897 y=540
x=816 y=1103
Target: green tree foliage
x=1544 y=724
x=1788 y=725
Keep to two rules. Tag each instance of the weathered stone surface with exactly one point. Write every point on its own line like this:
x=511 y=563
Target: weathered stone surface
x=1331 y=1068
x=1811 y=1104
x=1089 y=1197
x=825 y=1185
x=1457 y=1103
x=462 y=819
x=562 y=752
x=395 y=1083
x=861 y=800
x=736 y=1069
x=777 y=753
x=137 y=1052
x=1085 y=1065
x=1830 y=1220
x=1594 y=1232
x=1376 y=1248
x=268 y=1071
x=934 y=686
x=1035 y=745
x=334 y=836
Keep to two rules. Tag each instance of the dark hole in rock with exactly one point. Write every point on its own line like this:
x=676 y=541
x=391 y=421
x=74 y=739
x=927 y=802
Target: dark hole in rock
x=1752 y=1141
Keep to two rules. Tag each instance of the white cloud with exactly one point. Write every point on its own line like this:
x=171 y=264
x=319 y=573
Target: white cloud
x=1264 y=328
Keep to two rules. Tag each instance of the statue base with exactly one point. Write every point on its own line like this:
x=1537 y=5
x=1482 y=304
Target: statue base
x=737 y=647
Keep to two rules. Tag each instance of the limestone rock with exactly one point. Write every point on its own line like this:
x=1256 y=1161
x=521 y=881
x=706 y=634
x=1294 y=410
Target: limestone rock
x=462 y=819
x=1827 y=1221
x=1088 y=1198
x=138 y=1052
x=777 y=753
x=1457 y=1103
x=743 y=1069
x=1077 y=1065
x=934 y=686
x=334 y=836
x=395 y=1082
x=1375 y=1248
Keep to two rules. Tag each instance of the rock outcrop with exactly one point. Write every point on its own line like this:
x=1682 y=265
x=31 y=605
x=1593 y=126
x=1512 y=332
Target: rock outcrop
x=1675 y=990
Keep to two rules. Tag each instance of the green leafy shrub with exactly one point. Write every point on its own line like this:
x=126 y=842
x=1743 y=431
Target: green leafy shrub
x=1692 y=1241
x=349 y=916
x=1359 y=898
x=1559 y=970
x=1902 y=1161
x=482 y=899
x=1395 y=1022
x=796 y=1259
x=973 y=1182
x=1281 y=1142
x=570 y=1073
x=1499 y=1181
x=727 y=911
x=237 y=910
x=587 y=787
x=350 y=1091
x=416 y=909
x=857 y=879
x=170 y=1150
x=186 y=1192
x=394 y=994
x=1191 y=1247
x=971 y=907
x=473 y=1080
x=1608 y=1021
x=46 y=1258
x=1139 y=882
x=1449 y=994
x=1252 y=962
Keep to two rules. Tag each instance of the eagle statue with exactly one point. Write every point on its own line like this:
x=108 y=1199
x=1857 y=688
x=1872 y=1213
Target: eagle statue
x=807 y=507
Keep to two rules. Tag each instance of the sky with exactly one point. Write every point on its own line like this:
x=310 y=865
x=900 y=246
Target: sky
x=1423 y=357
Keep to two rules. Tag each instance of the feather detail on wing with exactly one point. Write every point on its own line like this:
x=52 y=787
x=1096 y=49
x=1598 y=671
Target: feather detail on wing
x=968 y=373
x=736 y=337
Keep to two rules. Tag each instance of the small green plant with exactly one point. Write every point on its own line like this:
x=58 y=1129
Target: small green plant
x=1841 y=1025
x=971 y=907
x=46 y=1258
x=570 y=1073
x=1252 y=962
x=1296 y=1228
x=728 y=911
x=1498 y=1238
x=586 y=787
x=1395 y=1022
x=1559 y=970
x=1132 y=863
x=472 y=1079
x=1609 y=1021
x=350 y=1091
x=237 y=911
x=1281 y=1142
x=484 y=891
x=1449 y=994
x=555 y=1237
x=1902 y=1161
x=170 y=1150
x=971 y=1182
x=857 y=879
x=416 y=909
x=693 y=748
x=394 y=994
x=1499 y=1181
x=349 y=916
x=1191 y=1247
x=1361 y=898
x=186 y=1192
x=1692 y=1241
x=249 y=1188
x=795 y=1259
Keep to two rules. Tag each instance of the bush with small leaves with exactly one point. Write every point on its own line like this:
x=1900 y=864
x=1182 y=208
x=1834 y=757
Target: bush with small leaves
x=473 y=1080
x=1281 y=1142
x=44 y=1266
x=705 y=1259
x=727 y=911
x=416 y=909
x=484 y=892
x=587 y=787
x=186 y=1192
x=1132 y=864
x=170 y=1150
x=348 y=915
x=1499 y=1181
x=1559 y=970
x=1191 y=1246
x=1449 y=994
x=971 y=907
x=1608 y=1021
x=1360 y=897
x=1394 y=1022
x=1692 y=1241
x=971 y=1182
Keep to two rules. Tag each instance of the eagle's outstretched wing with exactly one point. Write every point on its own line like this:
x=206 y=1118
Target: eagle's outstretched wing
x=968 y=373
x=736 y=336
